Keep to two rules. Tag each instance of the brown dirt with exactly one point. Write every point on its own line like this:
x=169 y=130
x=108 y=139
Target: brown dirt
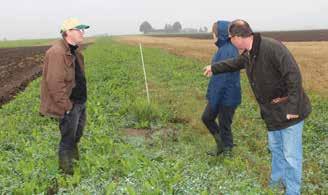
x=312 y=56
x=18 y=66
x=165 y=133
x=137 y=132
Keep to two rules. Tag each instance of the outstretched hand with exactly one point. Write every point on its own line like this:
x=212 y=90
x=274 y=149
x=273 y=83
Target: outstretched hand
x=207 y=71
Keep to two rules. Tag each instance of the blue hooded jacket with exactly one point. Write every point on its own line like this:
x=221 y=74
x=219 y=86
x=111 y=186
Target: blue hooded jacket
x=224 y=89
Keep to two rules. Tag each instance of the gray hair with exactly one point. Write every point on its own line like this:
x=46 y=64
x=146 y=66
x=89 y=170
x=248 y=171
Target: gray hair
x=240 y=28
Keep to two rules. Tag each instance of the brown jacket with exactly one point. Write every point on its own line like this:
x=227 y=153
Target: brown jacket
x=58 y=79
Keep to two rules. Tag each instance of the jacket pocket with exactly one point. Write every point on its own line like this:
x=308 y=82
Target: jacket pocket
x=278 y=112
x=69 y=74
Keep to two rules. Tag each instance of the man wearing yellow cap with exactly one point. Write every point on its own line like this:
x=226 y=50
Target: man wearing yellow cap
x=64 y=90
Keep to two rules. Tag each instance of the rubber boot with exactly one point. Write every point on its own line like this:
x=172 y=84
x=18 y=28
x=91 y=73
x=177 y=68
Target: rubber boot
x=76 y=154
x=66 y=162
x=219 y=146
x=227 y=151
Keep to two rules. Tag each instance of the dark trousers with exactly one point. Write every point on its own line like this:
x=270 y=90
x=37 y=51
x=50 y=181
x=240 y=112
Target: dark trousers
x=71 y=127
x=225 y=116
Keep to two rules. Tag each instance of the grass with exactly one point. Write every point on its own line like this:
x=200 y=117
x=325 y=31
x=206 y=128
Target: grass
x=173 y=162
x=25 y=43
x=34 y=42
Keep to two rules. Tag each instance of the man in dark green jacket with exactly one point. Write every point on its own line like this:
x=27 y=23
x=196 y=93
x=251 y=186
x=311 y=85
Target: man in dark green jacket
x=276 y=82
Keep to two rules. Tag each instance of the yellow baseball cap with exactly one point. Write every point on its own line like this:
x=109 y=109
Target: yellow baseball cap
x=72 y=23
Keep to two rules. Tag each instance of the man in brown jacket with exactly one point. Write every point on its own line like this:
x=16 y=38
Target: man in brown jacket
x=64 y=90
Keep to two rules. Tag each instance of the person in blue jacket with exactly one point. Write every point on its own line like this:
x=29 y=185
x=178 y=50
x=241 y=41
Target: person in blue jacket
x=223 y=93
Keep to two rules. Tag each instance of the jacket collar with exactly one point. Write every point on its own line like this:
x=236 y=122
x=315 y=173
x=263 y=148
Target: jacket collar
x=256 y=45
x=67 y=47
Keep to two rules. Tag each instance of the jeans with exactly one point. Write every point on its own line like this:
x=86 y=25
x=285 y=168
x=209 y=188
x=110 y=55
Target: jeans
x=71 y=127
x=286 y=163
x=225 y=116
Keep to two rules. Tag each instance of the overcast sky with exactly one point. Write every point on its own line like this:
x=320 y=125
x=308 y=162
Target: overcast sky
x=25 y=19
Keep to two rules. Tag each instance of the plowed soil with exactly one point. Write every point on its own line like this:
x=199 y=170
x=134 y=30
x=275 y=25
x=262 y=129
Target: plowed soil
x=18 y=66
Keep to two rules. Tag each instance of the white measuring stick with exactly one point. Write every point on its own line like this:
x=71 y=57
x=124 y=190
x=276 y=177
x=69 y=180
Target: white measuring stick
x=144 y=70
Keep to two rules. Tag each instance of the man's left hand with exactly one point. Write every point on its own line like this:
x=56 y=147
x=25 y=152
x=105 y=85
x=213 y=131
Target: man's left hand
x=292 y=116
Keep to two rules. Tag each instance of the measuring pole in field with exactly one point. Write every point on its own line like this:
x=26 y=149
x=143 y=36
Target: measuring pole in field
x=144 y=70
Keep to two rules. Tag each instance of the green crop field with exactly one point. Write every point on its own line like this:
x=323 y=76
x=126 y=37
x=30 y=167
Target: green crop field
x=32 y=42
x=172 y=158
x=25 y=43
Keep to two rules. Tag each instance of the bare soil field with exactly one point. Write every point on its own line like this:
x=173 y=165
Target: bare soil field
x=312 y=56
x=18 y=66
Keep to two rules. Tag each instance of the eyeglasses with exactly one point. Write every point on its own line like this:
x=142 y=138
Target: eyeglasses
x=81 y=30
